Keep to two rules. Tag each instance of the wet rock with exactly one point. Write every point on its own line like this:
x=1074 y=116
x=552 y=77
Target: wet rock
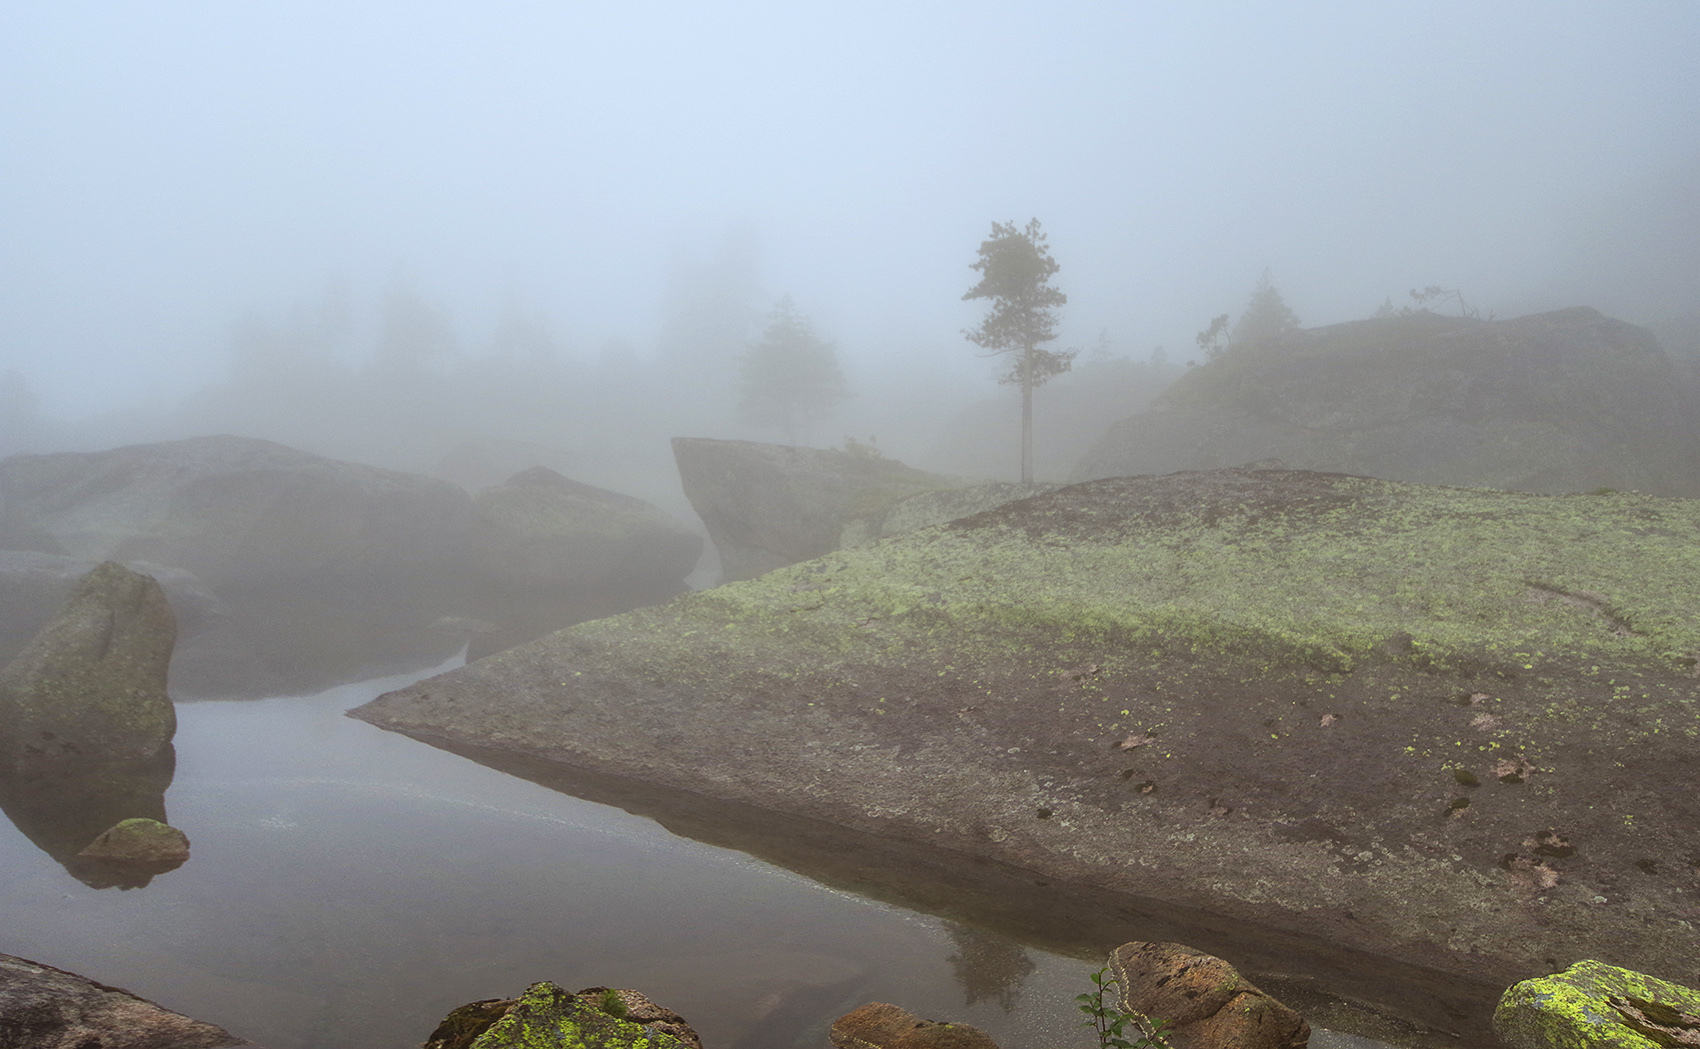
x=35 y=586
x=92 y=682
x=141 y=841
x=547 y=1015
x=880 y=1025
x=42 y=1007
x=1592 y=1005
x=542 y=531
x=1204 y=1000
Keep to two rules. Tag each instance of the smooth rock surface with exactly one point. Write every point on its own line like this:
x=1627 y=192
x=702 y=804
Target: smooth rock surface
x=1555 y=402
x=1204 y=1001
x=42 y=1007
x=235 y=511
x=1592 y=1005
x=92 y=683
x=769 y=505
x=541 y=531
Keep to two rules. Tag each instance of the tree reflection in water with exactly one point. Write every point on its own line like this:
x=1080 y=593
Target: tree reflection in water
x=990 y=968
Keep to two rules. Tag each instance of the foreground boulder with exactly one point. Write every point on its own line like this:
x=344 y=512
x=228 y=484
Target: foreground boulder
x=92 y=682
x=1555 y=402
x=880 y=1025
x=1452 y=727
x=46 y=1008
x=768 y=505
x=1592 y=1005
x=1203 y=1001
x=35 y=586
x=548 y=1016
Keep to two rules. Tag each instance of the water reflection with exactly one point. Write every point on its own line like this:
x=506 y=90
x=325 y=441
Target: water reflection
x=989 y=968
x=63 y=805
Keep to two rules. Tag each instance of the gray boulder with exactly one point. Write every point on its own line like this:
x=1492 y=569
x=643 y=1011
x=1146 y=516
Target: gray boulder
x=1555 y=402
x=35 y=586
x=42 y=1007
x=542 y=531
x=234 y=511
x=770 y=505
x=93 y=681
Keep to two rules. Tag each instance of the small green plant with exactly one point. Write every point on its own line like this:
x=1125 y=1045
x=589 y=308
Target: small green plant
x=1111 y=1024
x=613 y=1004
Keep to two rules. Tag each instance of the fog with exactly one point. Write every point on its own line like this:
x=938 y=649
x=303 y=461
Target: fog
x=212 y=214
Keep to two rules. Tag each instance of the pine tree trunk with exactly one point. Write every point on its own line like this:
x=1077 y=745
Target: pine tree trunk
x=1027 y=415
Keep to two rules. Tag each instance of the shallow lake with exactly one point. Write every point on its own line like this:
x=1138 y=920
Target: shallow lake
x=349 y=886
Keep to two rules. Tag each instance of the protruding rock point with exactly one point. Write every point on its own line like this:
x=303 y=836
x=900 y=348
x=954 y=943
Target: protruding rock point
x=1205 y=1001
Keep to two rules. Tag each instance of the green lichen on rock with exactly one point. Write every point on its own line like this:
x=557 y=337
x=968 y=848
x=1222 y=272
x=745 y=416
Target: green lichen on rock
x=1257 y=692
x=549 y=1017
x=92 y=682
x=1575 y=1009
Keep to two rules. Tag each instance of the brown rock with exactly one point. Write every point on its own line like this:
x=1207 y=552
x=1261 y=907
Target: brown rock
x=1205 y=1001
x=639 y=1009
x=879 y=1025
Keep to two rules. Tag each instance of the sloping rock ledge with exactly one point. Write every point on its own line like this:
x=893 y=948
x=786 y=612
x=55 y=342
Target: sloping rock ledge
x=1451 y=727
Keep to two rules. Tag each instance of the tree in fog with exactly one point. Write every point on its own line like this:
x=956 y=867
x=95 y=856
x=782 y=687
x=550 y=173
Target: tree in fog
x=1266 y=319
x=18 y=413
x=1264 y=322
x=1015 y=268
x=791 y=376
x=414 y=335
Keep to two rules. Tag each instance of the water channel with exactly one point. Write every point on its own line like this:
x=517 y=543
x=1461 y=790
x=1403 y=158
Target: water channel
x=349 y=886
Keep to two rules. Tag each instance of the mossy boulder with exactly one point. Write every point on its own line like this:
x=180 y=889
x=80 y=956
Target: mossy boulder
x=91 y=685
x=542 y=531
x=1592 y=1005
x=1563 y=401
x=547 y=1016
x=1453 y=727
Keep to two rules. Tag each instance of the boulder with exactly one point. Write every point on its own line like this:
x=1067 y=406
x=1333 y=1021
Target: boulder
x=879 y=1025
x=547 y=1015
x=540 y=531
x=92 y=682
x=46 y=1008
x=236 y=512
x=35 y=586
x=1555 y=402
x=1592 y=1005
x=1203 y=1001
x=1308 y=704
x=769 y=505
x=926 y=509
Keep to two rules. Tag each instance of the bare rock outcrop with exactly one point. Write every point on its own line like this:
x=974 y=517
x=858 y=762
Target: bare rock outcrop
x=1555 y=402
x=42 y=1007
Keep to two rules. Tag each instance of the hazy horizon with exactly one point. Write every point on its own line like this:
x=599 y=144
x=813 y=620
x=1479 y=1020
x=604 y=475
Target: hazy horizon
x=174 y=168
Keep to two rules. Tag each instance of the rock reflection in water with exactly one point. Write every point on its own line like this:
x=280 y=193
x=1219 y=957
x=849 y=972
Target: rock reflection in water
x=64 y=806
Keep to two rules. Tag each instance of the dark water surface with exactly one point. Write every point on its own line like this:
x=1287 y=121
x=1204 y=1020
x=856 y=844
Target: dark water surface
x=349 y=886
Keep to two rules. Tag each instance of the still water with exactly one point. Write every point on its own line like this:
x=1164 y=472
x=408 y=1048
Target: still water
x=349 y=886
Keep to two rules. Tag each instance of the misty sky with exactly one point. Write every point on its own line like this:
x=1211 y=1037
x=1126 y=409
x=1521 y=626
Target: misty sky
x=166 y=165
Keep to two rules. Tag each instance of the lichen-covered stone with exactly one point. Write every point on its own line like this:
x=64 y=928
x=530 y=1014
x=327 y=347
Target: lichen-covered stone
x=1204 y=1000
x=140 y=840
x=92 y=683
x=881 y=1025
x=549 y=1017
x=1592 y=1005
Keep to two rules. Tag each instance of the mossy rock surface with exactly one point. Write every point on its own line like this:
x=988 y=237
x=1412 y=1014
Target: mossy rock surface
x=1454 y=727
x=549 y=1017
x=1592 y=1005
